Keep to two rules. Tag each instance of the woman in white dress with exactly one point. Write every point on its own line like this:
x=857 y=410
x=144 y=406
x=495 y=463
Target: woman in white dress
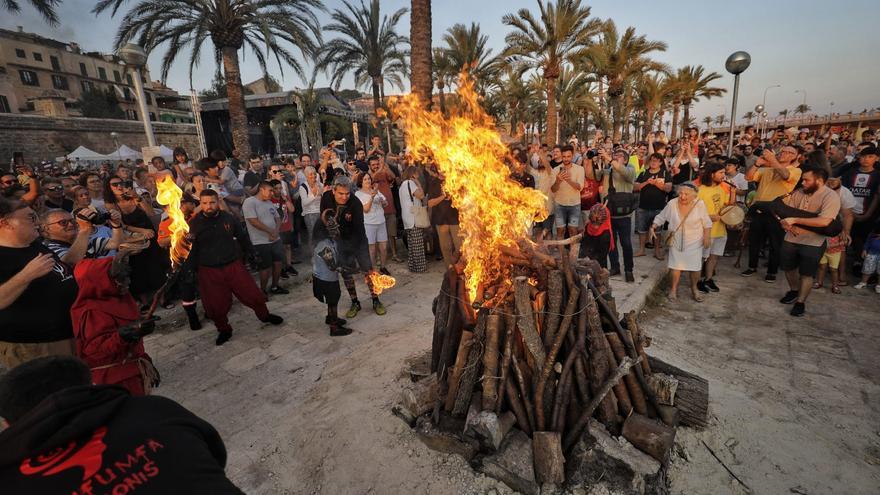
x=689 y=226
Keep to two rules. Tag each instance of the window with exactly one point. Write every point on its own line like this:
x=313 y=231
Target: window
x=129 y=79
x=152 y=116
x=55 y=64
x=20 y=53
x=131 y=114
x=117 y=76
x=126 y=94
x=59 y=82
x=4 y=105
x=148 y=98
x=102 y=73
x=38 y=57
x=82 y=69
x=87 y=86
x=29 y=78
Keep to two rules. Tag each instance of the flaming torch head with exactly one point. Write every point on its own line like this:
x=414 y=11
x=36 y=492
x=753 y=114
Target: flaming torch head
x=169 y=195
x=379 y=281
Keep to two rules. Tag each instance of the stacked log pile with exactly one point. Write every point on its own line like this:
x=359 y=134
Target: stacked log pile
x=548 y=352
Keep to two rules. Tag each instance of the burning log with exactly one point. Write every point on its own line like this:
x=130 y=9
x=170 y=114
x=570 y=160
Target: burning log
x=472 y=367
x=554 y=305
x=441 y=317
x=563 y=242
x=490 y=362
x=509 y=332
x=527 y=326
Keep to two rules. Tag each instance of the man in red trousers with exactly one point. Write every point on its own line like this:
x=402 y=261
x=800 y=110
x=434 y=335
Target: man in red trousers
x=216 y=239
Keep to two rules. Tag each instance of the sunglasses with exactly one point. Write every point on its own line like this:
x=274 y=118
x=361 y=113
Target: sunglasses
x=8 y=182
x=122 y=183
x=64 y=222
x=276 y=171
x=54 y=188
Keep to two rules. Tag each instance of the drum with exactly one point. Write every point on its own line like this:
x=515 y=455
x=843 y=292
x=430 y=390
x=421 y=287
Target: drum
x=733 y=216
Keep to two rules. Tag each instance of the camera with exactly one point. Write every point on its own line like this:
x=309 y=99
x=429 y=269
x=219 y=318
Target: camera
x=214 y=187
x=99 y=218
x=758 y=151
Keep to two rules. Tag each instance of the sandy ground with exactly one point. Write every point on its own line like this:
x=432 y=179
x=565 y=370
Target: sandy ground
x=794 y=403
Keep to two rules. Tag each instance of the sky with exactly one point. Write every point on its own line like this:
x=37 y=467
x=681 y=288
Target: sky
x=827 y=50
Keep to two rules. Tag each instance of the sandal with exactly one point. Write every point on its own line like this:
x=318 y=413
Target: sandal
x=835 y=289
x=817 y=285
x=697 y=297
x=672 y=297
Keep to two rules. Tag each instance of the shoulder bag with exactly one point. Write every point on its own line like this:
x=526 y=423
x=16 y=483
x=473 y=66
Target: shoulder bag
x=620 y=204
x=419 y=211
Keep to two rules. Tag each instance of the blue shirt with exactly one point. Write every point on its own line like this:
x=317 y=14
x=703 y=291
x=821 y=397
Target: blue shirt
x=320 y=270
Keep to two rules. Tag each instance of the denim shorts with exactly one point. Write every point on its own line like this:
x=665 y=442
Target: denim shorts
x=568 y=215
x=644 y=219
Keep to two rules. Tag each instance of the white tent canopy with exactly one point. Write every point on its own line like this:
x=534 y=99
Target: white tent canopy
x=84 y=153
x=166 y=152
x=126 y=153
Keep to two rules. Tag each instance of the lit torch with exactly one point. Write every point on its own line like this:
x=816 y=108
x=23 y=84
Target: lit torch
x=379 y=281
x=169 y=195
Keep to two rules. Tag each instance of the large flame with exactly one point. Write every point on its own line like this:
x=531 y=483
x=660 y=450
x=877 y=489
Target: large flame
x=494 y=211
x=168 y=194
x=380 y=281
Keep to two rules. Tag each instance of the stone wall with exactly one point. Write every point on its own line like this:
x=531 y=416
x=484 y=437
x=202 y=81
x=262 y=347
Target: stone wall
x=39 y=137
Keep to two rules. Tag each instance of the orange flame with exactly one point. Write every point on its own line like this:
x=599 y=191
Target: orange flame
x=168 y=194
x=494 y=210
x=380 y=282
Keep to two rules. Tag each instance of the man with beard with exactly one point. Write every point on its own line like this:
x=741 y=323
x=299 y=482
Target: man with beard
x=802 y=249
x=216 y=235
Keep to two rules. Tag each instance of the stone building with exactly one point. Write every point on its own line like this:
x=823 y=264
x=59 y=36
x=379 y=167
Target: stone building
x=44 y=76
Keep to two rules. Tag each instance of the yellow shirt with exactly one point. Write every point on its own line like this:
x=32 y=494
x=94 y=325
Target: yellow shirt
x=771 y=186
x=715 y=198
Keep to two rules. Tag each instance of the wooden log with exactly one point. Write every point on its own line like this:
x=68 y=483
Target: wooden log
x=516 y=405
x=650 y=436
x=632 y=325
x=554 y=306
x=460 y=362
x=490 y=362
x=543 y=376
x=563 y=242
x=468 y=318
x=691 y=395
x=577 y=430
x=624 y=404
x=441 y=316
x=548 y=458
x=664 y=386
x=524 y=392
x=599 y=352
x=452 y=334
x=582 y=380
x=472 y=366
x=421 y=396
x=509 y=332
x=526 y=322
x=636 y=396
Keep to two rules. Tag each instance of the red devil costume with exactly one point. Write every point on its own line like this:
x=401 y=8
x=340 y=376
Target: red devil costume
x=107 y=330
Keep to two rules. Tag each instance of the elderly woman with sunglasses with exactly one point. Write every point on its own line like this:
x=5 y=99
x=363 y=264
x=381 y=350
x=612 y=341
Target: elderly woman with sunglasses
x=36 y=291
x=689 y=233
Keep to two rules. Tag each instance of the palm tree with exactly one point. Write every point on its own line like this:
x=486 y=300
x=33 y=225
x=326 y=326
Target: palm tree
x=445 y=74
x=466 y=49
x=420 y=39
x=721 y=119
x=260 y=25
x=45 y=8
x=749 y=116
x=368 y=47
x=694 y=84
x=708 y=121
x=577 y=99
x=548 y=41
x=784 y=114
x=653 y=92
x=618 y=59
x=804 y=108
x=514 y=94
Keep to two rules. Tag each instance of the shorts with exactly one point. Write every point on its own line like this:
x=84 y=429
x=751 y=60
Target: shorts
x=831 y=259
x=644 y=219
x=547 y=223
x=355 y=258
x=804 y=258
x=326 y=291
x=376 y=233
x=269 y=253
x=568 y=215
x=716 y=247
x=391 y=225
x=871 y=265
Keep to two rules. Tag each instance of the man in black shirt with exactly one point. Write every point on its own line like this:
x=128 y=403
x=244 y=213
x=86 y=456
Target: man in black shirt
x=653 y=185
x=360 y=160
x=68 y=436
x=36 y=291
x=254 y=175
x=216 y=237
x=54 y=195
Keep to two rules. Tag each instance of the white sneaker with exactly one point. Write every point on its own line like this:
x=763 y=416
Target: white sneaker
x=860 y=285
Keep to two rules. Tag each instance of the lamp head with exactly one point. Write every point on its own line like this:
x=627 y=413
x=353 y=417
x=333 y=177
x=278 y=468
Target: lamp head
x=738 y=62
x=759 y=108
x=133 y=55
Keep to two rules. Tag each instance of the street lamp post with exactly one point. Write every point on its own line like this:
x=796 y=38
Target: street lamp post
x=135 y=57
x=736 y=64
x=115 y=136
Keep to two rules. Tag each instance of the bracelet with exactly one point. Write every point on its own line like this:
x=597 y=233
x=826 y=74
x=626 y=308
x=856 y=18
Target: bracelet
x=115 y=226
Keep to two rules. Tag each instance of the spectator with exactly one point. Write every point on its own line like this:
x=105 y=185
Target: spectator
x=311 y=200
x=803 y=249
x=864 y=183
x=689 y=234
x=51 y=406
x=411 y=194
x=598 y=239
x=263 y=222
x=444 y=217
x=74 y=237
x=544 y=180
x=254 y=175
x=653 y=186
x=386 y=180
x=618 y=179
x=231 y=190
x=715 y=194
x=568 y=180
x=54 y=197
x=36 y=291
x=284 y=206
x=374 y=220
x=736 y=179
x=870 y=259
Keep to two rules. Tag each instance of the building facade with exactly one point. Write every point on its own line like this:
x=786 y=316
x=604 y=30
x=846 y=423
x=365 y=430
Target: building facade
x=44 y=76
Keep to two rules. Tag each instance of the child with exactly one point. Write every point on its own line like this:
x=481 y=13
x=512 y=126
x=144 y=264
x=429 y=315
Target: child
x=325 y=278
x=831 y=258
x=597 y=240
x=871 y=256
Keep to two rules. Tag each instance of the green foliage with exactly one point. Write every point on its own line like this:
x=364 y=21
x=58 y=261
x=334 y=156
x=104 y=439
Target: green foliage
x=100 y=105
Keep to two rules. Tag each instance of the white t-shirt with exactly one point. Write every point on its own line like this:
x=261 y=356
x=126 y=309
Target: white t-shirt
x=376 y=215
x=847 y=200
x=566 y=195
x=409 y=220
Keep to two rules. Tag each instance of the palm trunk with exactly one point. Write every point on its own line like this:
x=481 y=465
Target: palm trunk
x=377 y=99
x=551 y=138
x=687 y=116
x=615 y=118
x=649 y=121
x=238 y=123
x=676 y=108
x=603 y=104
x=442 y=95
x=420 y=57
x=660 y=115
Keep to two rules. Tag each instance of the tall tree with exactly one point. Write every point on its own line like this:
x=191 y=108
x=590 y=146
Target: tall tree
x=803 y=108
x=46 y=9
x=708 y=121
x=618 y=59
x=654 y=92
x=694 y=84
x=549 y=40
x=750 y=115
x=368 y=47
x=465 y=48
x=260 y=25
x=420 y=58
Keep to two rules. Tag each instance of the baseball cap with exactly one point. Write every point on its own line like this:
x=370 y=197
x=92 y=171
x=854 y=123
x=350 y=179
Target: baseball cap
x=870 y=150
